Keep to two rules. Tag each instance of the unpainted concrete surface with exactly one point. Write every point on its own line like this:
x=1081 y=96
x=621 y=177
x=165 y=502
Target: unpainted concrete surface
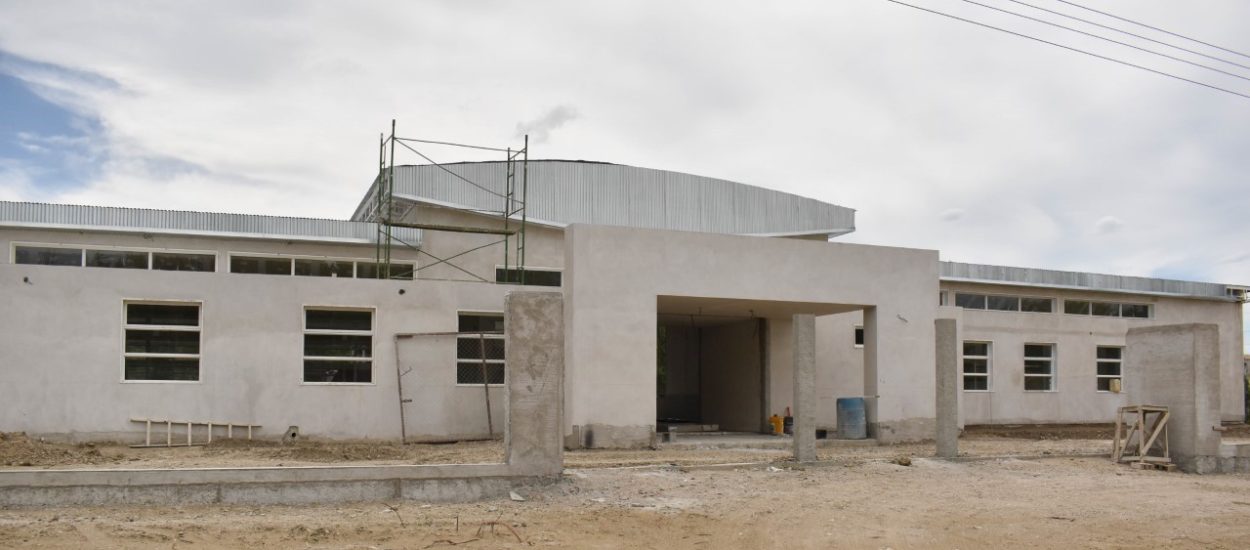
x=804 y=349
x=947 y=388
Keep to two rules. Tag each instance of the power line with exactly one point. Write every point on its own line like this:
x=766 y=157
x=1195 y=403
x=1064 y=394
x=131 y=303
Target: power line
x=1112 y=40
x=1070 y=48
x=1135 y=35
x=1114 y=16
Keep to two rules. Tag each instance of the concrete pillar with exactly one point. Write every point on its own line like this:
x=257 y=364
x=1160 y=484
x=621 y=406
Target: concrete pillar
x=804 y=350
x=1178 y=366
x=947 y=383
x=534 y=347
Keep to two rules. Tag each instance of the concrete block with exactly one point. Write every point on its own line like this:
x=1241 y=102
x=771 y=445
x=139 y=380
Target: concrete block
x=1177 y=366
x=947 y=394
x=804 y=353
x=534 y=346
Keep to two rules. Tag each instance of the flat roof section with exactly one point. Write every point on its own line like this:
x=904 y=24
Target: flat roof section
x=1049 y=278
x=180 y=222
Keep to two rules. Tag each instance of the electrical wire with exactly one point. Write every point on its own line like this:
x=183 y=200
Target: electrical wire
x=1127 y=20
x=1070 y=48
x=1122 y=31
x=1112 y=40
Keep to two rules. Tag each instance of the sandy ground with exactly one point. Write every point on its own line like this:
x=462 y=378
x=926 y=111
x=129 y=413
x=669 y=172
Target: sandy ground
x=990 y=503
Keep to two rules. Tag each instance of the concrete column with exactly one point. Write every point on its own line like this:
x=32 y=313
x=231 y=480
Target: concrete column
x=947 y=395
x=534 y=347
x=804 y=350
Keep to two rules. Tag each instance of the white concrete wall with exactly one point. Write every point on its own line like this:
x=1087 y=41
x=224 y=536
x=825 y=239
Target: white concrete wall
x=614 y=275
x=544 y=246
x=1076 y=398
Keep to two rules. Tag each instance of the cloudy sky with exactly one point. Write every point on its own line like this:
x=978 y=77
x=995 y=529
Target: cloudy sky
x=987 y=146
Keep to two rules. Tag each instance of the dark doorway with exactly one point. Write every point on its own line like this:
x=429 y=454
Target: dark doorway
x=709 y=373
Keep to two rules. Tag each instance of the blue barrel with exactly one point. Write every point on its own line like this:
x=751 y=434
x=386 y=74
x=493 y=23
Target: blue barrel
x=852 y=423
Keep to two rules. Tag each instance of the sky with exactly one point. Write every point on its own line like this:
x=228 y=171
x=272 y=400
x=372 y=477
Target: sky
x=986 y=146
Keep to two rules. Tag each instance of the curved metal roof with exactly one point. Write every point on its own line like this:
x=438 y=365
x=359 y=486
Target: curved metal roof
x=563 y=192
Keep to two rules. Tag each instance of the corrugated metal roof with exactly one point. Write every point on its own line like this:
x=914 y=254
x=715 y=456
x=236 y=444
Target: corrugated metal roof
x=564 y=192
x=215 y=224
x=1025 y=276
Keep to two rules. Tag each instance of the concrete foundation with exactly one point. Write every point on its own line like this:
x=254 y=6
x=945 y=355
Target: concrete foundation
x=947 y=395
x=804 y=350
x=1177 y=366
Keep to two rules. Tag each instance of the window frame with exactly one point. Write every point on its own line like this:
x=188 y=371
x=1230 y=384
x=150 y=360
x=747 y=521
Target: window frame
x=858 y=336
x=230 y=255
x=989 y=366
x=305 y=331
x=84 y=248
x=1119 y=362
x=1053 y=359
x=474 y=337
x=1119 y=308
x=198 y=329
x=985 y=298
x=559 y=270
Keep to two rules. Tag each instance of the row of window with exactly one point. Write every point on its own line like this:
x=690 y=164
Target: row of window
x=264 y=265
x=162 y=343
x=1039 y=367
x=1035 y=304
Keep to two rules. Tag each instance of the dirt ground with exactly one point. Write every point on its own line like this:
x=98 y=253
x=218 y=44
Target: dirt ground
x=1028 y=487
x=992 y=503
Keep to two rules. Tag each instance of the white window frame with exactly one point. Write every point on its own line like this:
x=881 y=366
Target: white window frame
x=989 y=366
x=1054 y=364
x=474 y=338
x=83 y=248
x=293 y=257
x=1119 y=362
x=1019 y=298
x=305 y=331
x=858 y=328
x=1150 y=309
x=199 y=329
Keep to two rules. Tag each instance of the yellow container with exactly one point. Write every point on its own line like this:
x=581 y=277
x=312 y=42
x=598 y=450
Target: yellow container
x=776 y=422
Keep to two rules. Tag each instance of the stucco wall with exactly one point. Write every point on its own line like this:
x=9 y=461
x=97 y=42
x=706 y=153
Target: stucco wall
x=544 y=246
x=1076 y=337
x=614 y=275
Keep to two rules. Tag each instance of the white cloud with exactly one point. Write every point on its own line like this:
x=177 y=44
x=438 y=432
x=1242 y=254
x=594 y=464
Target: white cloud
x=1107 y=225
x=952 y=214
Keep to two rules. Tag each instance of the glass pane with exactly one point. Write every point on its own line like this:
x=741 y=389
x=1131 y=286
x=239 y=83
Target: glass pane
x=338 y=319
x=159 y=314
x=162 y=341
x=976 y=366
x=976 y=383
x=1104 y=384
x=1140 y=311
x=980 y=349
x=117 y=258
x=1037 y=383
x=535 y=277
x=1106 y=309
x=478 y=323
x=1108 y=352
x=1033 y=366
x=338 y=371
x=323 y=268
x=859 y=336
x=1106 y=368
x=166 y=261
x=1038 y=350
x=471 y=348
x=1076 y=307
x=970 y=301
x=265 y=266
x=1003 y=303
x=337 y=345
x=369 y=270
x=471 y=373
x=162 y=368
x=38 y=255
x=1038 y=305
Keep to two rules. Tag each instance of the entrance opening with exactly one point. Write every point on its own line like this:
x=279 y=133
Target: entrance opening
x=710 y=373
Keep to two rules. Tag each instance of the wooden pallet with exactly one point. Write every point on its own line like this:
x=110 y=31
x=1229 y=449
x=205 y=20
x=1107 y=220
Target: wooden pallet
x=169 y=432
x=1162 y=466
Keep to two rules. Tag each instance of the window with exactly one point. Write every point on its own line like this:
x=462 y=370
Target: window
x=1106 y=309
x=977 y=366
x=991 y=302
x=1039 y=367
x=1110 y=359
x=338 y=345
x=324 y=268
x=369 y=270
x=257 y=264
x=170 y=261
x=127 y=259
x=859 y=337
x=162 y=342
x=480 y=349
x=46 y=255
x=536 y=277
